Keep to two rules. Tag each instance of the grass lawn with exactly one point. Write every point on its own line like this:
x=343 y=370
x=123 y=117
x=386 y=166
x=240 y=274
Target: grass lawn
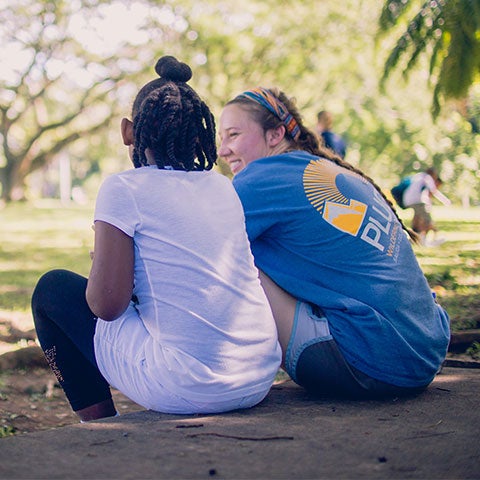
x=35 y=239
x=453 y=268
x=46 y=235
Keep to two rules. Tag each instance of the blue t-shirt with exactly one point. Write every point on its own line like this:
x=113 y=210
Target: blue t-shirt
x=334 y=142
x=326 y=235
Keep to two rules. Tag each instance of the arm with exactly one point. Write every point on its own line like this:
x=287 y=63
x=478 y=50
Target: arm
x=110 y=283
x=432 y=186
x=441 y=197
x=283 y=307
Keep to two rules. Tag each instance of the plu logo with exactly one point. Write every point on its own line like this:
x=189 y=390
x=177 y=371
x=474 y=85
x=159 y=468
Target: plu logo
x=319 y=181
x=327 y=186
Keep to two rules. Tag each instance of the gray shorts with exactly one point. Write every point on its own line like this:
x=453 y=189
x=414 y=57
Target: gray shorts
x=308 y=329
x=314 y=361
x=423 y=219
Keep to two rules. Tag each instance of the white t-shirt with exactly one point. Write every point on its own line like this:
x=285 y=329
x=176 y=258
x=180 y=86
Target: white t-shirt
x=419 y=190
x=203 y=330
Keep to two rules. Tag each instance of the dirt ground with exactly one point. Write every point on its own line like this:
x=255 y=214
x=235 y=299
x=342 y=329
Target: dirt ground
x=30 y=397
x=32 y=400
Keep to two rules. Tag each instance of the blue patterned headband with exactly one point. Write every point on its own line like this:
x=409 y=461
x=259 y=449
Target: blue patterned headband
x=268 y=100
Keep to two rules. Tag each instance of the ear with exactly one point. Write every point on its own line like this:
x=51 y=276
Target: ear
x=126 y=128
x=275 y=135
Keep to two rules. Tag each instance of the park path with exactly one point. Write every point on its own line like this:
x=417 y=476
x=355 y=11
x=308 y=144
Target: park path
x=289 y=435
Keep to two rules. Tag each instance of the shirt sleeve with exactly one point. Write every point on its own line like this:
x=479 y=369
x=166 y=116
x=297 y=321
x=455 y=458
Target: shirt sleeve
x=116 y=205
x=256 y=196
x=430 y=184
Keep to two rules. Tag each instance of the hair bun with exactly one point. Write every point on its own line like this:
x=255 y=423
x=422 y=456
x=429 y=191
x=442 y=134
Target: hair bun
x=169 y=68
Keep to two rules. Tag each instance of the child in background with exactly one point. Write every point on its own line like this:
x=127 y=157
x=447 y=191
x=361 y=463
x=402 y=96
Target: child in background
x=418 y=196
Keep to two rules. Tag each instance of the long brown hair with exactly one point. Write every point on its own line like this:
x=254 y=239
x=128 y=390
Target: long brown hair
x=307 y=140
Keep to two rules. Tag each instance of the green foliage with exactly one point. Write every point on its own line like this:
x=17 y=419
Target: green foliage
x=448 y=31
x=461 y=64
x=453 y=269
x=38 y=238
x=7 y=431
x=323 y=56
x=35 y=240
x=59 y=86
x=474 y=350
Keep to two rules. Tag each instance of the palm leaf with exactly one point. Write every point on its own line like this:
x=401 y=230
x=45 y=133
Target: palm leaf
x=451 y=29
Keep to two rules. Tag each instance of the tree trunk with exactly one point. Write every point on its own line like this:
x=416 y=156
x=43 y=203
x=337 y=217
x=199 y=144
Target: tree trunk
x=5 y=183
x=12 y=183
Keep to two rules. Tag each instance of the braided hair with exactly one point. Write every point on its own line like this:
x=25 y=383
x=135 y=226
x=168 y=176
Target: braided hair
x=171 y=120
x=307 y=140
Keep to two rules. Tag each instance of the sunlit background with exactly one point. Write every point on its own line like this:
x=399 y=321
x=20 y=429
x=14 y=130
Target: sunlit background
x=70 y=70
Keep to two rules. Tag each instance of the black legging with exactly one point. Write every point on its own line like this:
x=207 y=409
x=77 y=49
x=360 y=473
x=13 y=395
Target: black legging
x=65 y=328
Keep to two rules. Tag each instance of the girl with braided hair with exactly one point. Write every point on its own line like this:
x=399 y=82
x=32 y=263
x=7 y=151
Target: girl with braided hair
x=354 y=312
x=173 y=314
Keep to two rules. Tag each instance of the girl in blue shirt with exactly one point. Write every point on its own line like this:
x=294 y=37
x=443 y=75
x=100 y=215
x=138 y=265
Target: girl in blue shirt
x=354 y=312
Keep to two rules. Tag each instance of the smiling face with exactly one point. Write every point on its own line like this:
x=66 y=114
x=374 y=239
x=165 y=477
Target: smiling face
x=242 y=138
